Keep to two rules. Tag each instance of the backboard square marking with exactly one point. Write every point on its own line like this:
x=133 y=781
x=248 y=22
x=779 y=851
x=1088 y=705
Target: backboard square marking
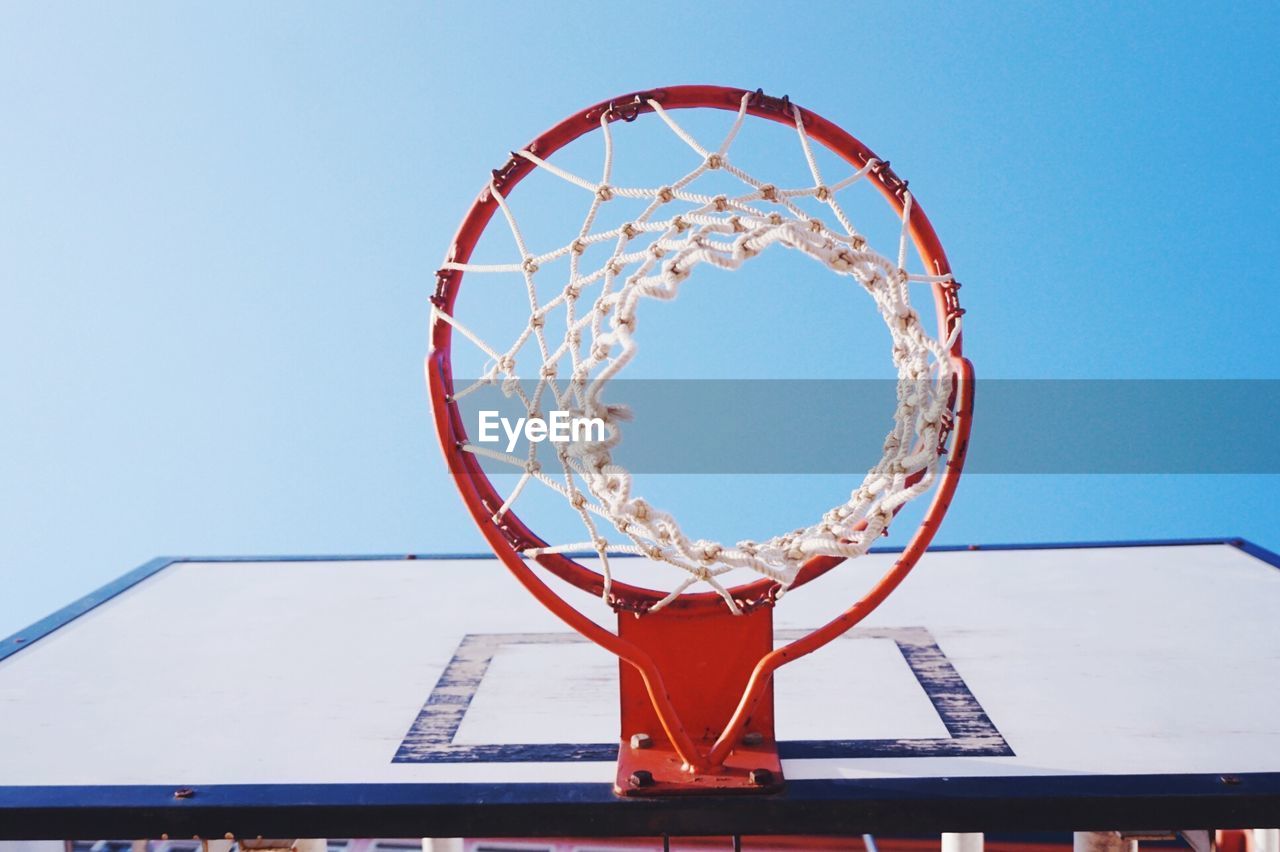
x=431 y=737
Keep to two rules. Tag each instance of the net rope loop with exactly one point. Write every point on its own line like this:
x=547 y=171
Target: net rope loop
x=651 y=257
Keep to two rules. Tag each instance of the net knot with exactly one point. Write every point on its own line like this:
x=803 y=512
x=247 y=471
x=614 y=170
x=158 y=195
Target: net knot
x=529 y=265
x=769 y=192
x=822 y=193
x=666 y=194
x=604 y=192
x=715 y=161
x=721 y=203
x=630 y=230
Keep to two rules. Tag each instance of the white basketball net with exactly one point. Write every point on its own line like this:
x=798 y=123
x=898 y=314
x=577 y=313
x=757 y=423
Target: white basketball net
x=651 y=257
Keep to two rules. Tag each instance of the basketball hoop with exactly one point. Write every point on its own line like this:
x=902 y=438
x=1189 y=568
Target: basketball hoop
x=696 y=723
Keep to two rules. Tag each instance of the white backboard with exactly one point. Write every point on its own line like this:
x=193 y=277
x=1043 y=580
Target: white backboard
x=419 y=696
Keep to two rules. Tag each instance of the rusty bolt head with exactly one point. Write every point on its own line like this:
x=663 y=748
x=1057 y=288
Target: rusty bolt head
x=761 y=777
x=641 y=778
x=641 y=741
x=183 y=793
x=752 y=738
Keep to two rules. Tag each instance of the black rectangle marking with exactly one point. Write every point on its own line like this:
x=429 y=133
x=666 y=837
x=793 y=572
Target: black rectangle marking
x=970 y=731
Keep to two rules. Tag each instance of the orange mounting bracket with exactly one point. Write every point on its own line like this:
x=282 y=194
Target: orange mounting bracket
x=706 y=661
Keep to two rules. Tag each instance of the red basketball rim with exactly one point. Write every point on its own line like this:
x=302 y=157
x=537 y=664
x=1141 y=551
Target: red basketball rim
x=510 y=536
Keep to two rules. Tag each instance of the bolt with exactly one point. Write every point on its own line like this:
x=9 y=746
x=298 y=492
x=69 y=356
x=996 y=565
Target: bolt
x=641 y=741
x=183 y=793
x=761 y=777
x=752 y=738
x=641 y=778
x=1229 y=779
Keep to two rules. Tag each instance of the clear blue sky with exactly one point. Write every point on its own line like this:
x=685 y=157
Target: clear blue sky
x=218 y=227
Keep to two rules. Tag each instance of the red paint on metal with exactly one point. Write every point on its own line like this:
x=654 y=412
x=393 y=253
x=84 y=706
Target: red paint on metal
x=707 y=660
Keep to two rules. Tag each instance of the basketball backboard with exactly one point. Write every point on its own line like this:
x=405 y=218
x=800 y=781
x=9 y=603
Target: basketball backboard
x=1099 y=686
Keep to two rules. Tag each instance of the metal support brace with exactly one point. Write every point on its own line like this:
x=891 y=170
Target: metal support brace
x=442 y=844
x=962 y=842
